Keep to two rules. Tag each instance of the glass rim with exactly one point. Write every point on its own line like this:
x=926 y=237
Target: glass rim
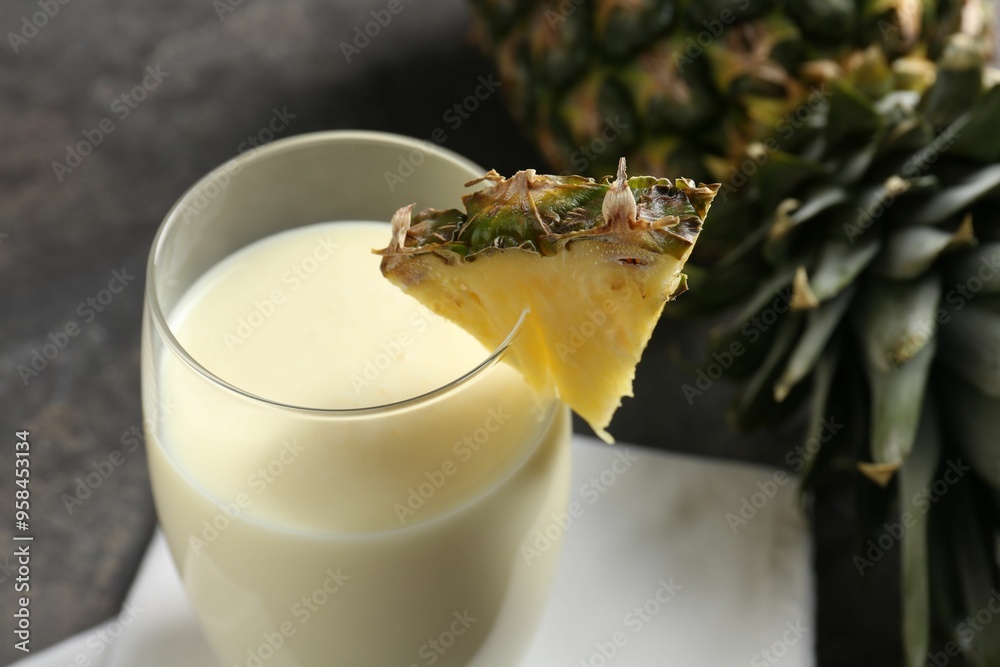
x=238 y=162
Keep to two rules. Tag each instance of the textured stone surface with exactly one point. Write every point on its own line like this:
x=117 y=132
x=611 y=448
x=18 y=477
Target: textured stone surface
x=60 y=240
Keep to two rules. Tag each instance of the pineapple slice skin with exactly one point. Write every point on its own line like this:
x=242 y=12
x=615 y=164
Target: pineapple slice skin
x=541 y=213
x=593 y=263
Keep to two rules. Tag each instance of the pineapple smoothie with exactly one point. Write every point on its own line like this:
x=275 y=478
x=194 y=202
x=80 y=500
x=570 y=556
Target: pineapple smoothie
x=402 y=536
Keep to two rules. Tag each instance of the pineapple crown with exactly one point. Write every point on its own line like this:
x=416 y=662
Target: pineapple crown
x=880 y=225
x=687 y=86
x=882 y=198
x=870 y=217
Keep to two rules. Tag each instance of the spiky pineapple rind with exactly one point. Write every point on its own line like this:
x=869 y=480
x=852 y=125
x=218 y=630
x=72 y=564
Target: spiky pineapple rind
x=542 y=214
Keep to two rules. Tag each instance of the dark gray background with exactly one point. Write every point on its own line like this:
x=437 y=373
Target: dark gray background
x=60 y=241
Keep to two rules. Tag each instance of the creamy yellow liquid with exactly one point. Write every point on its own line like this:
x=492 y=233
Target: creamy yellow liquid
x=394 y=537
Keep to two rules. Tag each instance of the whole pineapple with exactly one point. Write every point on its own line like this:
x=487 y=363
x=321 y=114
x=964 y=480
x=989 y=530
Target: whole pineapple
x=856 y=230
x=880 y=241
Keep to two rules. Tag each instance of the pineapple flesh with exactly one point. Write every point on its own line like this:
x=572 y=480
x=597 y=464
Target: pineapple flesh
x=592 y=263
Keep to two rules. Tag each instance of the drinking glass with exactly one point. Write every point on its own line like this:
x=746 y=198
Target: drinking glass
x=310 y=535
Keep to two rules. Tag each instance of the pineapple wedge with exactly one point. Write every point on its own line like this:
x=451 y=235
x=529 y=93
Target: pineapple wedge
x=592 y=263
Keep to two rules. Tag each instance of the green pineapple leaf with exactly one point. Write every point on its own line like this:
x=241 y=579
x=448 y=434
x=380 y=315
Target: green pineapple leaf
x=975 y=420
x=979 y=140
x=976 y=566
x=781 y=175
x=821 y=323
x=972 y=336
x=916 y=475
x=896 y=323
x=958 y=197
x=840 y=263
x=756 y=404
x=819 y=442
x=851 y=117
x=981 y=264
x=911 y=251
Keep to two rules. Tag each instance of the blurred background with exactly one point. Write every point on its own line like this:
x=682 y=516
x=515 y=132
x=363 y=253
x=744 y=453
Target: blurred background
x=108 y=113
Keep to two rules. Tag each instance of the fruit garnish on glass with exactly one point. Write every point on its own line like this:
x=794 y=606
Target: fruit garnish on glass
x=593 y=263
